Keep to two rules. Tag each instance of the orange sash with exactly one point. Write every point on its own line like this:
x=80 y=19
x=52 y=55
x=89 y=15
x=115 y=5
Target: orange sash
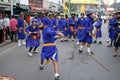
x=81 y=27
x=49 y=44
x=35 y=36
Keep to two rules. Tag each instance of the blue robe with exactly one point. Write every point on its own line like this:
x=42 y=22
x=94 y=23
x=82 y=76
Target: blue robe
x=88 y=29
x=117 y=30
x=42 y=20
x=49 y=52
x=62 y=23
x=48 y=22
x=111 y=29
x=81 y=27
x=55 y=24
x=98 y=26
x=21 y=34
x=72 y=26
x=33 y=40
x=51 y=23
x=45 y=21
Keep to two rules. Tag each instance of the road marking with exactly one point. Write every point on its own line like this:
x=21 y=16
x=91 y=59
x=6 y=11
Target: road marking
x=98 y=61
x=73 y=53
x=93 y=57
x=7 y=50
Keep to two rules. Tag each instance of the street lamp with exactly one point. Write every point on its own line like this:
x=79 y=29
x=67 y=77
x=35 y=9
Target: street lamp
x=11 y=7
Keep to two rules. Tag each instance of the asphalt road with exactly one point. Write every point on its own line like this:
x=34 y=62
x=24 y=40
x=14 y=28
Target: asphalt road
x=15 y=62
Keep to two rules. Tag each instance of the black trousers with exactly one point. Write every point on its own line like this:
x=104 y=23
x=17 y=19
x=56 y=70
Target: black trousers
x=1 y=36
x=32 y=48
x=7 y=33
x=14 y=36
x=74 y=36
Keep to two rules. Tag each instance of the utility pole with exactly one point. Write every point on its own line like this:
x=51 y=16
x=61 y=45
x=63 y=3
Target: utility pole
x=115 y=1
x=59 y=7
x=69 y=7
x=11 y=7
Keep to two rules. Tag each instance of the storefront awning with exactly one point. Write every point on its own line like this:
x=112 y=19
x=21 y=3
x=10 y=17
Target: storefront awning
x=21 y=8
x=25 y=7
x=36 y=9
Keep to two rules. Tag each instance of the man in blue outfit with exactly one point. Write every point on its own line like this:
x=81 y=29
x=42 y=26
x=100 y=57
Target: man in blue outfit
x=117 y=35
x=111 y=27
x=62 y=23
x=21 y=30
x=49 y=49
x=87 y=36
x=80 y=27
x=33 y=38
x=72 y=26
x=98 y=31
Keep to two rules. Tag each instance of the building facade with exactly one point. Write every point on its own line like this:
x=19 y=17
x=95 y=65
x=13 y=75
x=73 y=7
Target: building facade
x=4 y=4
x=4 y=1
x=50 y=6
x=36 y=5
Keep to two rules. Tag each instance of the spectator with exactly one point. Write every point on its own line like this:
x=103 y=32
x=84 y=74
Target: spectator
x=13 y=28
x=1 y=29
x=28 y=19
x=6 y=23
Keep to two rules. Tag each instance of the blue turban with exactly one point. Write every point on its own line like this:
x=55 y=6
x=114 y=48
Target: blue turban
x=35 y=20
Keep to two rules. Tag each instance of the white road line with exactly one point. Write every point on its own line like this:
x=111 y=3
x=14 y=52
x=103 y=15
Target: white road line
x=5 y=52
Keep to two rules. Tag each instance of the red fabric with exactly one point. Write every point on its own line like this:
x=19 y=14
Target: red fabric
x=13 y=24
x=28 y=20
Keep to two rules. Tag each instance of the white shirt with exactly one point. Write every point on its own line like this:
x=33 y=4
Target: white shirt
x=104 y=17
x=31 y=20
x=6 y=22
x=1 y=24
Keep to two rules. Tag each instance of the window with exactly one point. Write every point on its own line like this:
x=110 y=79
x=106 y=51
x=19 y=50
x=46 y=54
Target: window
x=9 y=0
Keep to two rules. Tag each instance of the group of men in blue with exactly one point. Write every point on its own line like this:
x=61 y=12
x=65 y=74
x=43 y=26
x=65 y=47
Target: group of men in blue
x=54 y=28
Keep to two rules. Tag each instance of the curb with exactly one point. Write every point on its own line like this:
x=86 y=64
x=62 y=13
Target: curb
x=5 y=43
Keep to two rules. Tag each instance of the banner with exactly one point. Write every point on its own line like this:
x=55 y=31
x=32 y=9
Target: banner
x=84 y=1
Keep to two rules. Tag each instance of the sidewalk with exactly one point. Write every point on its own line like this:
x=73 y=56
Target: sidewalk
x=5 y=43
